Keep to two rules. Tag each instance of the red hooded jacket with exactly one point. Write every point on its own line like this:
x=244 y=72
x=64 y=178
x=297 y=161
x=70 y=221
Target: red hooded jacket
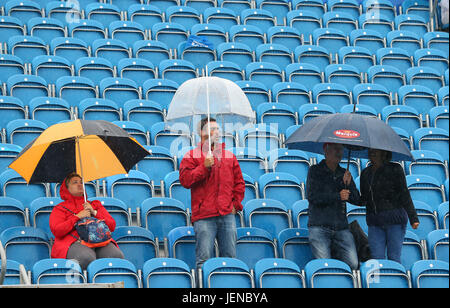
x=62 y=221
x=215 y=190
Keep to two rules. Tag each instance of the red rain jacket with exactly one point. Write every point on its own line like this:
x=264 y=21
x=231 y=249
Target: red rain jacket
x=215 y=190
x=62 y=221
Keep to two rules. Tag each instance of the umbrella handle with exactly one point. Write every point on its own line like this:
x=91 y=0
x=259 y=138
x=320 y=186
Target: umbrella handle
x=81 y=168
x=209 y=115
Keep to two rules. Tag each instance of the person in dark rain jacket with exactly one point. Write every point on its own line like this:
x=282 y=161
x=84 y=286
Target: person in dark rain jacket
x=388 y=204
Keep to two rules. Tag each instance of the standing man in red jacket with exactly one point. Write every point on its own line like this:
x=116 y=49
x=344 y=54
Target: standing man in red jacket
x=217 y=190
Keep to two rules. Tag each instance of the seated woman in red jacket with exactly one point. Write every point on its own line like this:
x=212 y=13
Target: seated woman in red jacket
x=67 y=213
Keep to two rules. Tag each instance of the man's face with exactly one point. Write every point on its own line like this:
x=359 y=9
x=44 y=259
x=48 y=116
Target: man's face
x=334 y=152
x=214 y=131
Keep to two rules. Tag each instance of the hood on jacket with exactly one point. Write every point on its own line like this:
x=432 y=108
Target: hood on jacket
x=65 y=194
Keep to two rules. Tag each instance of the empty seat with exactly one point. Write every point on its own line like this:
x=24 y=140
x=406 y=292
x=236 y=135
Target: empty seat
x=293 y=245
x=69 y=48
x=254 y=244
x=376 y=22
x=127 y=31
x=226 y=272
x=430 y=274
x=277 y=54
x=373 y=95
x=23 y=9
x=265 y=72
x=104 y=13
x=411 y=22
x=21 y=132
x=433 y=139
x=405 y=117
x=238 y=53
x=12 y=213
x=167 y=273
x=73 y=89
x=10 y=26
x=278 y=114
x=293 y=94
x=360 y=57
x=278 y=273
x=197 y=55
x=279 y=8
x=439 y=117
x=394 y=56
x=334 y=95
x=177 y=70
x=330 y=38
x=151 y=50
x=343 y=21
x=113 y=50
x=46 y=28
x=384 y=274
x=417 y=96
x=287 y=36
x=87 y=30
x=57 y=271
x=113 y=270
x=367 y=38
x=26 y=87
x=119 y=90
x=425 y=188
x=312 y=54
x=437 y=244
x=425 y=76
x=305 y=22
x=386 y=75
x=171 y=34
x=436 y=40
x=407 y=40
x=327 y=273
x=99 y=109
x=261 y=18
x=11 y=108
x=181 y=241
x=145 y=14
x=429 y=163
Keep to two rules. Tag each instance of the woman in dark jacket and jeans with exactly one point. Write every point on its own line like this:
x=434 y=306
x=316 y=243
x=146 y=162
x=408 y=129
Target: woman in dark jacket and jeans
x=389 y=206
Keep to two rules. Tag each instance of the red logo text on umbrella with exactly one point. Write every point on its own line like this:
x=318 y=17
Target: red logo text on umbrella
x=346 y=133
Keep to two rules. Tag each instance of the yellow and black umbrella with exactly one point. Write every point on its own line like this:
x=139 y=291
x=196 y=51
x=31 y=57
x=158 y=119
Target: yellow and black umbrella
x=93 y=149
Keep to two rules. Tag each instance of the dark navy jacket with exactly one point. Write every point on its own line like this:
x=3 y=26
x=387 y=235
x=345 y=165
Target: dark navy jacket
x=326 y=209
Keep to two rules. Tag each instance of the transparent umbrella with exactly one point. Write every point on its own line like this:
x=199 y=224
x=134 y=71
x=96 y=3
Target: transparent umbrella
x=211 y=97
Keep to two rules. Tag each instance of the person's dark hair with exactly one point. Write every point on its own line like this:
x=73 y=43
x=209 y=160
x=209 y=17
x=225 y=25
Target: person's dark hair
x=71 y=176
x=204 y=121
x=387 y=156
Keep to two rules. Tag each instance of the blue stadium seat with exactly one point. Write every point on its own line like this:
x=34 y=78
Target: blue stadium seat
x=12 y=213
x=226 y=272
x=443 y=215
x=376 y=22
x=372 y=95
x=405 y=117
x=433 y=139
x=416 y=7
x=254 y=244
x=412 y=250
x=360 y=57
x=313 y=54
x=388 y=76
x=99 y=109
x=151 y=50
x=330 y=38
x=437 y=244
x=11 y=108
x=137 y=244
x=160 y=215
x=293 y=245
x=158 y=164
x=316 y=6
x=329 y=273
x=334 y=95
x=236 y=5
x=308 y=111
x=439 y=117
x=181 y=242
x=51 y=67
x=248 y=34
x=160 y=90
x=135 y=130
x=199 y=5
x=199 y=56
x=294 y=162
x=350 y=7
x=214 y=33
x=425 y=188
x=261 y=137
x=10 y=65
x=163 y=4
x=113 y=50
x=69 y=48
x=138 y=70
x=251 y=161
x=411 y=22
x=87 y=30
x=167 y=273
x=278 y=273
x=73 y=89
x=21 y=132
x=256 y=92
x=287 y=36
x=119 y=90
x=277 y=54
x=305 y=22
x=173 y=189
x=299 y=213
x=428 y=219
x=131 y=188
x=261 y=18
x=172 y=140
x=104 y=13
x=267 y=214
x=145 y=14
x=177 y=70
x=343 y=21
x=251 y=192
x=117 y=209
x=113 y=270
x=64 y=12
x=170 y=34
x=278 y=114
x=225 y=69
x=425 y=76
x=407 y=40
x=436 y=40
x=385 y=7
x=265 y=72
x=344 y=74
x=306 y=74
x=367 y=38
x=12 y=275
x=10 y=26
x=46 y=28
x=397 y=57
x=26 y=87
x=443 y=96
x=279 y=8
x=57 y=271
x=292 y=94
x=358 y=214
x=420 y=97
x=433 y=58
x=40 y=210
x=50 y=110
x=384 y=274
x=26 y=245
x=430 y=274
x=23 y=10
x=429 y=163
x=184 y=15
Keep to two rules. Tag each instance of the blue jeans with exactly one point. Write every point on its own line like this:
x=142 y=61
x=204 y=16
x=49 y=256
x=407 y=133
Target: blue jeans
x=330 y=244
x=386 y=238
x=222 y=228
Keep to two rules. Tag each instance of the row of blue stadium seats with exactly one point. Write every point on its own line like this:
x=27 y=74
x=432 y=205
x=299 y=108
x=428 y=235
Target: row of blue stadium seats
x=301 y=26
x=291 y=244
x=267 y=273
x=221 y=8
x=288 y=199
